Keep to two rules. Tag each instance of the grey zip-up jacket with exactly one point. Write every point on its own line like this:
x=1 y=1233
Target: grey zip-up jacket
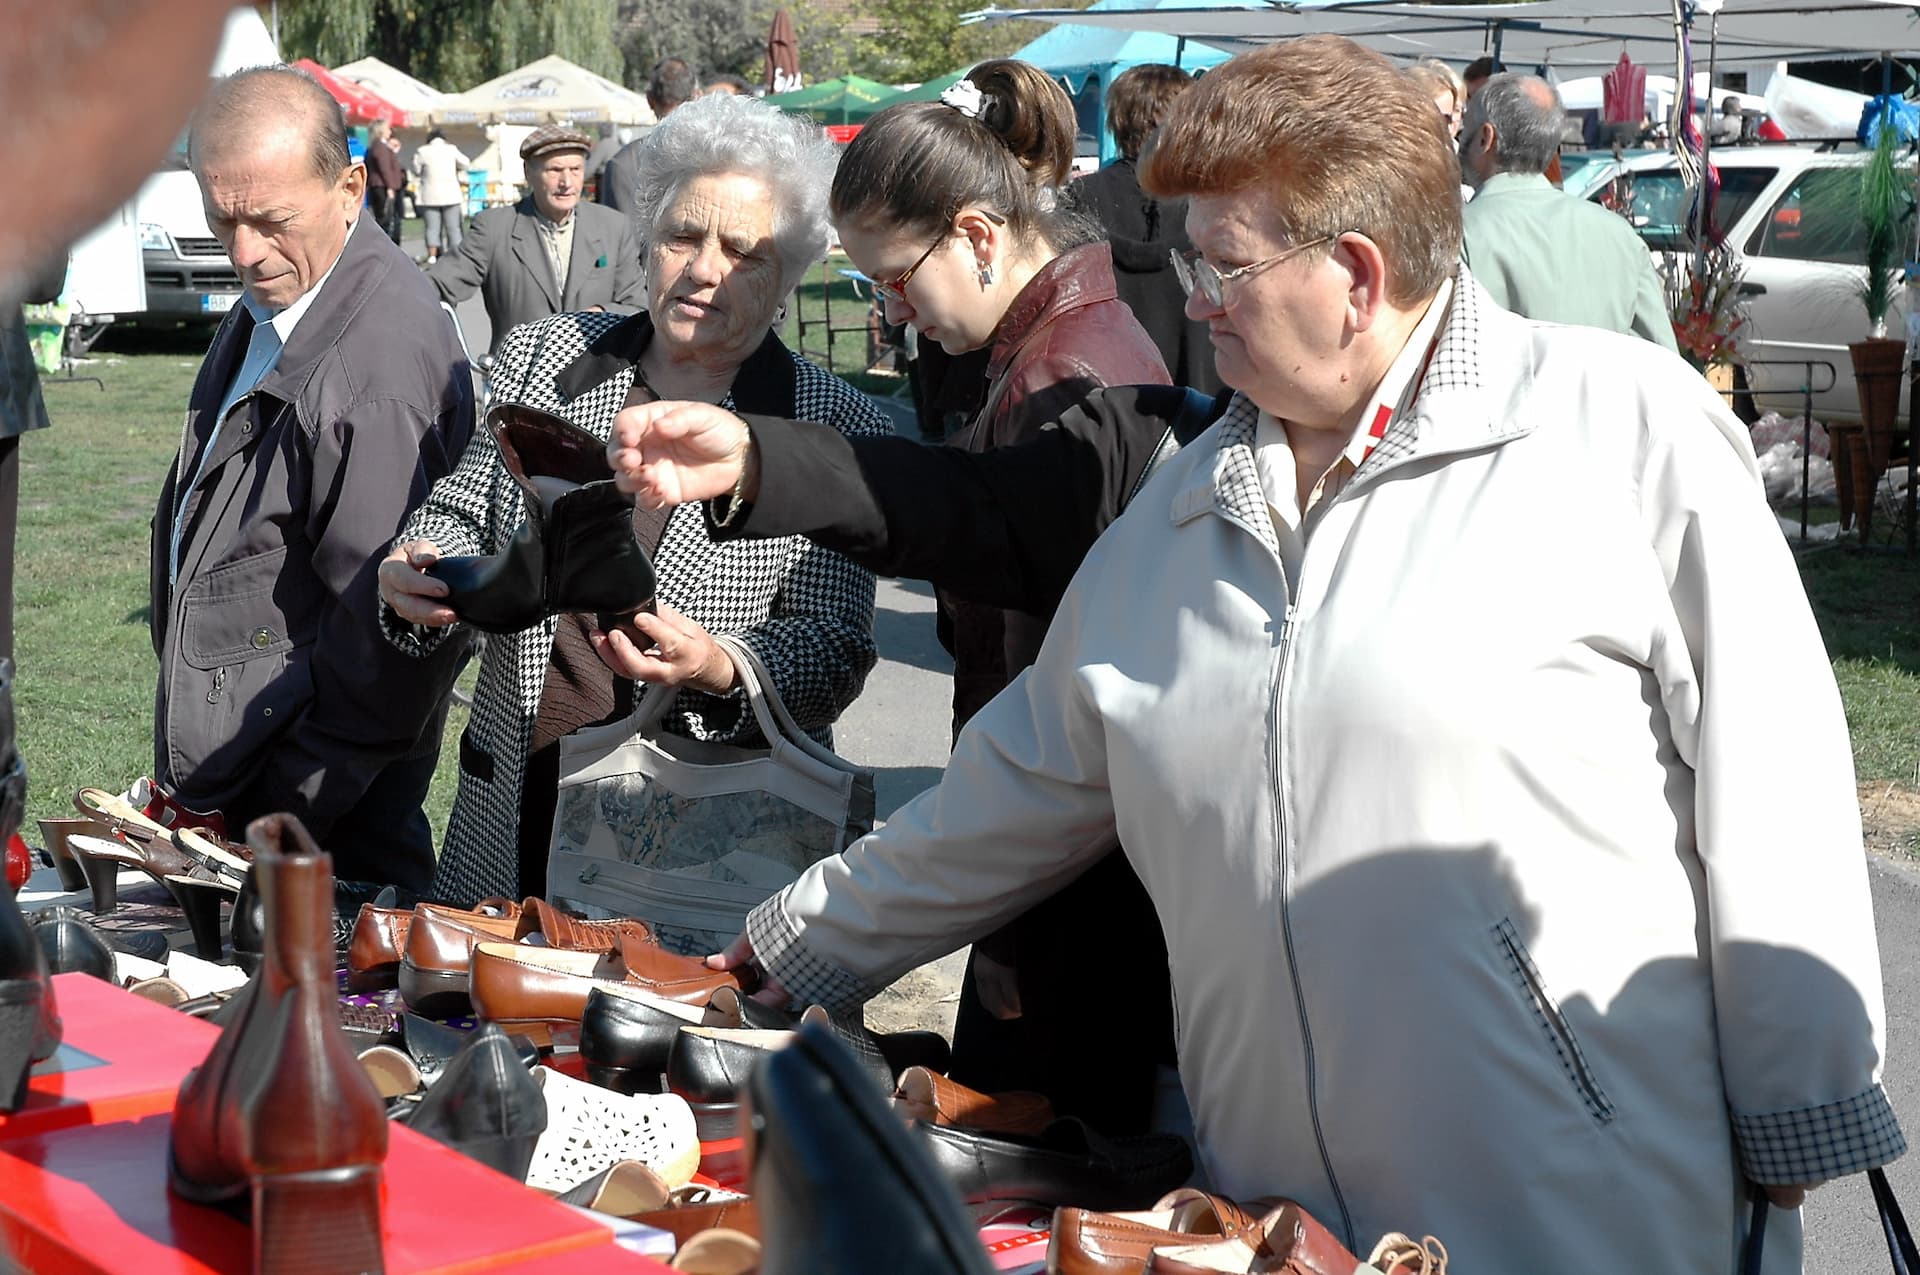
x=276 y=689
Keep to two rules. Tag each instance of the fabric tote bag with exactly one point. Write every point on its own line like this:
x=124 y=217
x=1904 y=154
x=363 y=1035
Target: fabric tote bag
x=690 y=836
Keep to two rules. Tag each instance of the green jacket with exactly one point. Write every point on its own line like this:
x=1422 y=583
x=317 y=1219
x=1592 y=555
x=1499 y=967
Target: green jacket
x=1546 y=255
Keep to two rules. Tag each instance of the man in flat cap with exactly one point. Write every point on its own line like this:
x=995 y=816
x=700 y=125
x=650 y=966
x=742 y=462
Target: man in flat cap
x=550 y=253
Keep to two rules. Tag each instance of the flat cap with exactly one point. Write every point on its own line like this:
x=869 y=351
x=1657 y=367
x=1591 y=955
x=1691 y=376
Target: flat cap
x=550 y=139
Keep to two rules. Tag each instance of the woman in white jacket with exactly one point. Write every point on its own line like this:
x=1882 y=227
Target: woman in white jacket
x=1435 y=694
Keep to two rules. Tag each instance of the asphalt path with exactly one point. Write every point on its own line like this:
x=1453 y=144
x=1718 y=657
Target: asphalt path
x=900 y=726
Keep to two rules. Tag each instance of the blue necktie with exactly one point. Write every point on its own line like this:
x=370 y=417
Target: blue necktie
x=263 y=350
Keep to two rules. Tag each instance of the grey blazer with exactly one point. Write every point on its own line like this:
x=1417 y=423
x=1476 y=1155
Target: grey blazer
x=501 y=257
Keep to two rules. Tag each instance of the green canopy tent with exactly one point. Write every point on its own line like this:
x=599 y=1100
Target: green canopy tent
x=928 y=92
x=847 y=100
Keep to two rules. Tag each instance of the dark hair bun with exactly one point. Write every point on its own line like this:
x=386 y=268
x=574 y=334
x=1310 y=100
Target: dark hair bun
x=1032 y=115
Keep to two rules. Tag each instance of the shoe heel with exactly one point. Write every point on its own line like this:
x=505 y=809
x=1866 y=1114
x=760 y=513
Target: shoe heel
x=324 y=1223
x=200 y=900
x=103 y=881
x=19 y=1033
x=54 y=833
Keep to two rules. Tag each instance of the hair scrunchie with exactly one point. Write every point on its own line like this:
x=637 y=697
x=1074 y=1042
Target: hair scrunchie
x=965 y=97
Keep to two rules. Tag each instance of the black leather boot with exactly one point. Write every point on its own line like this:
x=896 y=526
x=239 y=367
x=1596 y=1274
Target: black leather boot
x=575 y=552
x=840 y=1182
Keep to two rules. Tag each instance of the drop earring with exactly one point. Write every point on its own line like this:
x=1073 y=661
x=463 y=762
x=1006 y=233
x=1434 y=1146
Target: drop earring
x=986 y=274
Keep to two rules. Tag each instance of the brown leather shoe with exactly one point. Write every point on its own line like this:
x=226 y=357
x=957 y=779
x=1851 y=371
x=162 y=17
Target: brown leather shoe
x=380 y=940
x=281 y=1113
x=684 y=1221
x=528 y=989
x=924 y=1095
x=440 y=942
x=1287 y=1241
x=1089 y=1243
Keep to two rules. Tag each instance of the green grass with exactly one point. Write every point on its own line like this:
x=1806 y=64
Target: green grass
x=1868 y=606
x=849 y=346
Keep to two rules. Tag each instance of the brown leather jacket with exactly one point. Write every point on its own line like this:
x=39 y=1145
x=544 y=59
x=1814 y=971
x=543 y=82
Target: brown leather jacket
x=1066 y=335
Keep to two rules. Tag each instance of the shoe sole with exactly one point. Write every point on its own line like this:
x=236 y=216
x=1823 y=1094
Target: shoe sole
x=434 y=993
x=716 y=1121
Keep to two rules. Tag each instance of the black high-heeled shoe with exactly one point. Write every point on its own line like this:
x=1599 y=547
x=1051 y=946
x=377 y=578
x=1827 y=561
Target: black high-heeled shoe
x=576 y=551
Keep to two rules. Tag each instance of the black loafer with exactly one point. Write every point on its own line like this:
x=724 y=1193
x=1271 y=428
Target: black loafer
x=71 y=945
x=839 y=1182
x=1067 y=1164
x=709 y=1067
x=624 y=1041
x=485 y=1105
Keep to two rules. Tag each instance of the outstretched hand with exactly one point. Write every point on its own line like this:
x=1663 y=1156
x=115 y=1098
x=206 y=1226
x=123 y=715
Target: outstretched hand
x=669 y=453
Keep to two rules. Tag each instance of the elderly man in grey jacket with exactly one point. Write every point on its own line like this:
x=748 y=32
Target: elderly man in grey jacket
x=328 y=404
x=551 y=253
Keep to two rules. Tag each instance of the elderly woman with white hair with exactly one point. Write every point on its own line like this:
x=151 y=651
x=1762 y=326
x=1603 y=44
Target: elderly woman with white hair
x=732 y=211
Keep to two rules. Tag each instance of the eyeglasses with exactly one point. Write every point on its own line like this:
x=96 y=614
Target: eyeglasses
x=1195 y=271
x=895 y=289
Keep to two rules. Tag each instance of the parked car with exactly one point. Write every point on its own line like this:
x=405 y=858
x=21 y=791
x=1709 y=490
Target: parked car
x=1789 y=211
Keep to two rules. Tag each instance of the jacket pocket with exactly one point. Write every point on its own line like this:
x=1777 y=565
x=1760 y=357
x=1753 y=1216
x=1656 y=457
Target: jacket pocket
x=1553 y=1024
x=241 y=676
x=239 y=612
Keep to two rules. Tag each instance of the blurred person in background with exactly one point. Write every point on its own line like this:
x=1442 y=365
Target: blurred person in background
x=385 y=181
x=551 y=253
x=440 y=192
x=1143 y=232
x=671 y=86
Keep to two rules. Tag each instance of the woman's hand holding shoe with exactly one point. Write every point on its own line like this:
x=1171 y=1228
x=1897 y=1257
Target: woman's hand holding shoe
x=666 y=649
x=413 y=594
x=674 y=453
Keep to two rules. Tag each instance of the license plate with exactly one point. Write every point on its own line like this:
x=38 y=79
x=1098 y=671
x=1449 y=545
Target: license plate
x=218 y=302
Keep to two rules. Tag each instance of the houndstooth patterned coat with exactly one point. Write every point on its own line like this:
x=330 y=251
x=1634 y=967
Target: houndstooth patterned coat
x=805 y=611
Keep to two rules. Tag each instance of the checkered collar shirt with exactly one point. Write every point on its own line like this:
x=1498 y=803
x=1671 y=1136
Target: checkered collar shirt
x=1391 y=399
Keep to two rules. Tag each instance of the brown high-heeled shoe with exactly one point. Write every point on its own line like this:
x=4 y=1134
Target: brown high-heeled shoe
x=54 y=832
x=281 y=1114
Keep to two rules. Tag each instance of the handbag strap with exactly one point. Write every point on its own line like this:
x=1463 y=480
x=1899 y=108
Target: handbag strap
x=1893 y=1227
x=775 y=721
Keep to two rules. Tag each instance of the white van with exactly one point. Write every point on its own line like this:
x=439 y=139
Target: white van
x=155 y=262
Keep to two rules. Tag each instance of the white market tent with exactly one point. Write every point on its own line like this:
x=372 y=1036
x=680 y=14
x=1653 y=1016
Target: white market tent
x=548 y=90
x=1573 y=37
x=416 y=98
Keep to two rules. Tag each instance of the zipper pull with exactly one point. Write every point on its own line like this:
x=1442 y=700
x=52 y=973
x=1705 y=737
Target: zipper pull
x=219 y=684
x=1286 y=625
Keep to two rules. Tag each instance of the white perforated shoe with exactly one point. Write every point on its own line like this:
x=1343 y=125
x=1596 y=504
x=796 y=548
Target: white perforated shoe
x=590 y=1128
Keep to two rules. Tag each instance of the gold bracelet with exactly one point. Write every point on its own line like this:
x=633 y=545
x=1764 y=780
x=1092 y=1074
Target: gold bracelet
x=739 y=484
